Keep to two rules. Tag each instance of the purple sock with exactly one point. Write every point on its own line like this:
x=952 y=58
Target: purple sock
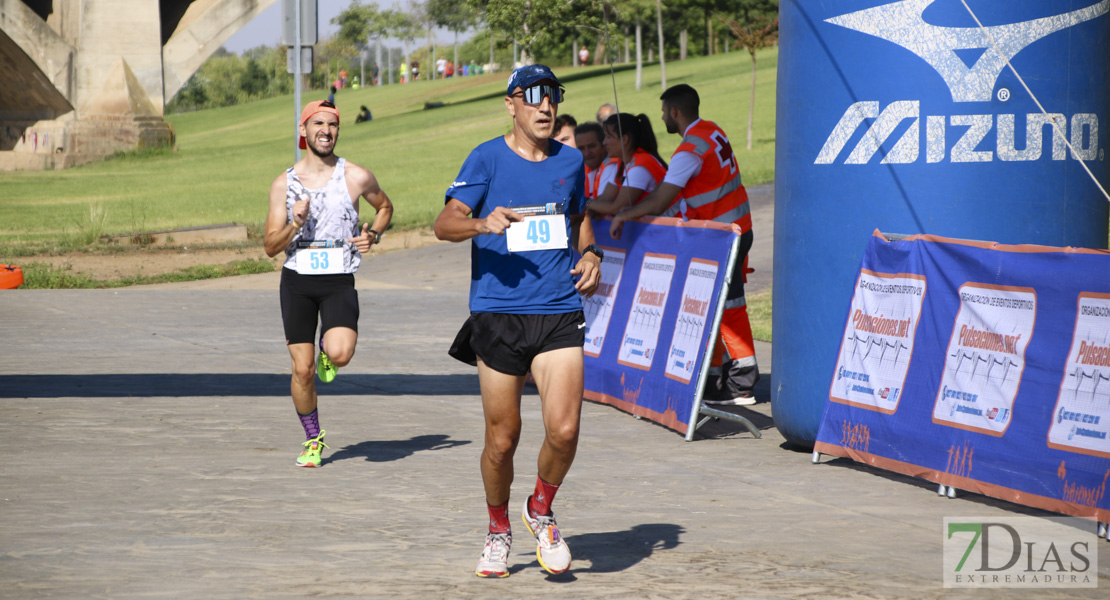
x=311 y=424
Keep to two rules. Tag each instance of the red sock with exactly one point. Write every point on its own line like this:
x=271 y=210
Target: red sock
x=542 y=497
x=499 y=518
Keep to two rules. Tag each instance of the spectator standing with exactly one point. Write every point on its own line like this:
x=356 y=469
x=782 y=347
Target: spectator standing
x=703 y=182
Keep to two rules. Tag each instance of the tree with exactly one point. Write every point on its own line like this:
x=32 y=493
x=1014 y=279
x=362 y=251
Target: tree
x=191 y=95
x=405 y=26
x=253 y=81
x=662 y=61
x=455 y=15
x=756 y=27
x=356 y=23
x=359 y=23
x=534 y=22
x=637 y=12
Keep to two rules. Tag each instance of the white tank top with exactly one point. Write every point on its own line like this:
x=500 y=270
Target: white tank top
x=331 y=217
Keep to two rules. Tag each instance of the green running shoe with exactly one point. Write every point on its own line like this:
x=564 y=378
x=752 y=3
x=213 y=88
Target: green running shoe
x=325 y=369
x=310 y=457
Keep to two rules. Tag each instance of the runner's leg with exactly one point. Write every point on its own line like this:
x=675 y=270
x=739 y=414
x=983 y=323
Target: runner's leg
x=339 y=344
x=303 y=386
x=339 y=313
x=559 y=378
x=501 y=406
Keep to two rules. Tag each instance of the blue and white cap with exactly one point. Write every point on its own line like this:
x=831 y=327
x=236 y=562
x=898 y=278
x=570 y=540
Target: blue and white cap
x=529 y=75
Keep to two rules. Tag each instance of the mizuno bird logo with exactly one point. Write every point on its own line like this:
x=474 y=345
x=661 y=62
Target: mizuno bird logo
x=902 y=23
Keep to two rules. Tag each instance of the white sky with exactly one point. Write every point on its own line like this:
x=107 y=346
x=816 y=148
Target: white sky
x=265 y=29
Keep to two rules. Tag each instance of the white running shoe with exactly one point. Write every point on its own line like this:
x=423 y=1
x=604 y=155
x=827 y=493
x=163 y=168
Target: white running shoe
x=495 y=556
x=552 y=552
x=742 y=400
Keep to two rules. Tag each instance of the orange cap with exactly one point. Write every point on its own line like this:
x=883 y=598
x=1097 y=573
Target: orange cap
x=312 y=108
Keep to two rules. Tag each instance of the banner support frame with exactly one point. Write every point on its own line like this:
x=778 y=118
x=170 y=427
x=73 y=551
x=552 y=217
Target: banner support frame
x=703 y=375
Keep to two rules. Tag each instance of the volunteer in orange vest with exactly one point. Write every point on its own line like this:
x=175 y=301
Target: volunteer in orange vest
x=601 y=170
x=703 y=182
x=633 y=139
x=587 y=138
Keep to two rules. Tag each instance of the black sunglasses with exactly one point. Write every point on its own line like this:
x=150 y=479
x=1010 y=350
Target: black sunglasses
x=534 y=95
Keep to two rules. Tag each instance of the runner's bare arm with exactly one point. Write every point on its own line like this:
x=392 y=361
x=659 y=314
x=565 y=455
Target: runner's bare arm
x=606 y=201
x=455 y=225
x=279 y=229
x=654 y=204
x=361 y=182
x=620 y=201
x=589 y=266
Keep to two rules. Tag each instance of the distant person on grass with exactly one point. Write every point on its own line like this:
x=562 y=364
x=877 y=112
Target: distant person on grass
x=525 y=310
x=313 y=217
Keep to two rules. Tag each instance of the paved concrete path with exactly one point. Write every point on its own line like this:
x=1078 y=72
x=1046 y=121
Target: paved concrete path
x=150 y=443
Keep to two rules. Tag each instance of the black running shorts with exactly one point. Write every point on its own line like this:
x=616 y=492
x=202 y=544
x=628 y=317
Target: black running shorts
x=303 y=297
x=508 y=342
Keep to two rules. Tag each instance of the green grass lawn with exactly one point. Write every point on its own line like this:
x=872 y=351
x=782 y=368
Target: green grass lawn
x=759 y=314
x=226 y=158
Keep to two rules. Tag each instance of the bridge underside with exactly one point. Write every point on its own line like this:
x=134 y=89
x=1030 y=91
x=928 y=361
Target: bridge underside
x=25 y=93
x=83 y=79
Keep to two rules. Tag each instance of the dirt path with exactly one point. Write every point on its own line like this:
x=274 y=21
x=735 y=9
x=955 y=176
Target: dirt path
x=156 y=261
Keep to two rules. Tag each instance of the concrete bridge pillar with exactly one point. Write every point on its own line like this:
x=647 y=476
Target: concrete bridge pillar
x=83 y=79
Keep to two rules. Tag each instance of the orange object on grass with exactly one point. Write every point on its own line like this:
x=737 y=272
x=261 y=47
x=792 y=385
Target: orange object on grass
x=11 y=277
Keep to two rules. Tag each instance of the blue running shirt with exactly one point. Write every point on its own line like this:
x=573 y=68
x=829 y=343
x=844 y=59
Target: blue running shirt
x=537 y=282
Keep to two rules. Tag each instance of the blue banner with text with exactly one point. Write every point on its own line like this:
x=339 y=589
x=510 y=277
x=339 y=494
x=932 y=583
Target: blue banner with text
x=979 y=366
x=648 y=325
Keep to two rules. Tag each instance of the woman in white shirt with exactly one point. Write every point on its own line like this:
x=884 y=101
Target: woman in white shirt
x=633 y=140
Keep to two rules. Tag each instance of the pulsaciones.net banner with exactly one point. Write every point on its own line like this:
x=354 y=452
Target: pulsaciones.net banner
x=980 y=366
x=648 y=325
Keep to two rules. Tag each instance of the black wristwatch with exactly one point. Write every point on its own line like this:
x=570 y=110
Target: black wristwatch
x=593 y=248
x=377 y=236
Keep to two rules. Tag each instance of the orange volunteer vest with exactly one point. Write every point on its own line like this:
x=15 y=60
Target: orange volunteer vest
x=593 y=177
x=715 y=193
x=652 y=164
